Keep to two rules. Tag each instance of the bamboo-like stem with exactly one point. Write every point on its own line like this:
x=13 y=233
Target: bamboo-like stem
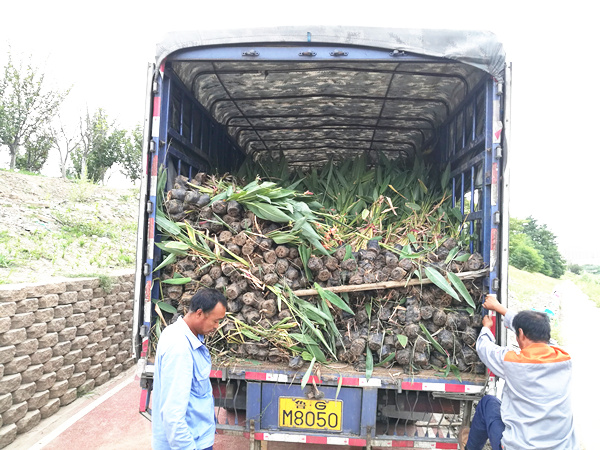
x=385 y=284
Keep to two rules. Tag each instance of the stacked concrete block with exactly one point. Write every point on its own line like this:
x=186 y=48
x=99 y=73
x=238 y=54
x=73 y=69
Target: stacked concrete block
x=58 y=341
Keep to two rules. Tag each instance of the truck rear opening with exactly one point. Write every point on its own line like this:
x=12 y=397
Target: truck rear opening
x=311 y=95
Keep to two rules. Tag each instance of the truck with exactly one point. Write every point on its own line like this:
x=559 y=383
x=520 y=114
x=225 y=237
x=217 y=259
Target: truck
x=215 y=98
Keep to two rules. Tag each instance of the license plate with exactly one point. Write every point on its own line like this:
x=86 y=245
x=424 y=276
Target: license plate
x=313 y=414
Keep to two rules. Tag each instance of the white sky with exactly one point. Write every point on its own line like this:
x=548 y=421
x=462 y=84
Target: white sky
x=102 y=49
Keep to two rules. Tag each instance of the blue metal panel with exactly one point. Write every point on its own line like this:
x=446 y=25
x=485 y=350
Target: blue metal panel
x=351 y=408
x=253 y=404
x=295 y=51
x=368 y=412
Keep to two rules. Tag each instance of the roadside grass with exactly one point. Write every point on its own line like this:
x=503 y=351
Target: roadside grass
x=589 y=283
x=533 y=291
x=527 y=287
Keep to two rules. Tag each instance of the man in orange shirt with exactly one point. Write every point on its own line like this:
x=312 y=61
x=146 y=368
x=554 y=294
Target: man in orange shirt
x=535 y=412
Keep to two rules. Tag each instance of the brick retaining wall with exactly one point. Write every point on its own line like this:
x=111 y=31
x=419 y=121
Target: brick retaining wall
x=57 y=341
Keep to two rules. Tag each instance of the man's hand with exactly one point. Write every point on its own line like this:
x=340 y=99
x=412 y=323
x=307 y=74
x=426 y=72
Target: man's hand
x=487 y=322
x=492 y=303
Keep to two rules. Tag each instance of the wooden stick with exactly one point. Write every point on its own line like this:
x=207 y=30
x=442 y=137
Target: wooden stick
x=385 y=284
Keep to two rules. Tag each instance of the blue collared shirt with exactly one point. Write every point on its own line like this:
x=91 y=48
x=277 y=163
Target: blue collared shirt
x=183 y=411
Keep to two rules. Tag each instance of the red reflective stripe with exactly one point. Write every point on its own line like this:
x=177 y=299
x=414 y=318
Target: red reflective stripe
x=143 y=398
x=357 y=442
x=446 y=445
x=403 y=443
x=156 y=109
x=148 y=291
x=455 y=388
x=314 y=379
x=494 y=239
x=216 y=374
x=257 y=436
x=412 y=386
x=151 y=228
x=350 y=381
x=154 y=165
x=255 y=376
x=316 y=439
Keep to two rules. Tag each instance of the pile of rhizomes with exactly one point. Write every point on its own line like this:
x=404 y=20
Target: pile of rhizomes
x=390 y=325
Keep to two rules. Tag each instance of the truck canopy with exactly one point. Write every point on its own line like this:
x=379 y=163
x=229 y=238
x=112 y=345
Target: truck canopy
x=318 y=93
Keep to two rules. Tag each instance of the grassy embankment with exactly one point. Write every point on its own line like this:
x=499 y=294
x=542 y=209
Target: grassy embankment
x=534 y=290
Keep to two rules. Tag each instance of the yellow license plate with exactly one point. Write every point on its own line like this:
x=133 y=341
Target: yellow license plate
x=313 y=414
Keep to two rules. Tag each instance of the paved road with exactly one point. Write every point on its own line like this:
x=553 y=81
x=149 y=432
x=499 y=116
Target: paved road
x=580 y=321
x=108 y=419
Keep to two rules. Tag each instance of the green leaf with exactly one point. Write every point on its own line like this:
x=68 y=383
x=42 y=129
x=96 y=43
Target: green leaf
x=413 y=206
x=437 y=278
x=308 y=373
x=177 y=281
x=250 y=334
x=455 y=371
x=451 y=254
x=348 y=253
x=168 y=260
x=264 y=197
x=386 y=360
x=306 y=356
x=412 y=238
x=157 y=328
x=268 y=212
x=461 y=288
x=339 y=387
x=303 y=338
x=402 y=339
x=168 y=226
x=462 y=258
x=316 y=352
x=430 y=338
x=369 y=364
x=167 y=307
x=175 y=247
x=333 y=298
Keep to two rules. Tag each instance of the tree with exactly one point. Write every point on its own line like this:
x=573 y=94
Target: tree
x=522 y=255
x=100 y=147
x=533 y=247
x=131 y=158
x=544 y=242
x=65 y=142
x=37 y=148
x=25 y=106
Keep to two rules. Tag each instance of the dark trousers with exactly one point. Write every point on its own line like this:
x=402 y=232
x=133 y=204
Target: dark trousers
x=487 y=424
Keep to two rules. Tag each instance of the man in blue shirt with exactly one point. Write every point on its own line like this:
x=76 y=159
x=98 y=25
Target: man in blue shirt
x=183 y=411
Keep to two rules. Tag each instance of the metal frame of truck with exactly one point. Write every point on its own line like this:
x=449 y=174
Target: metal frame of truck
x=473 y=138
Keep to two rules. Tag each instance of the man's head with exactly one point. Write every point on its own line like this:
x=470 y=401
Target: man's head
x=531 y=326
x=207 y=309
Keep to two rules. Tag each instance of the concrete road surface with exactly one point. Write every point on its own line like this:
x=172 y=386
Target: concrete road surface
x=108 y=419
x=580 y=321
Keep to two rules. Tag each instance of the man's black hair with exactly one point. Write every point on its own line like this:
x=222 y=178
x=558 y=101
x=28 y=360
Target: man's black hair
x=206 y=300
x=535 y=325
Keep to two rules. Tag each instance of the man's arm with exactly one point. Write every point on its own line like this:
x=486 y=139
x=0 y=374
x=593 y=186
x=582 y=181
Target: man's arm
x=491 y=354
x=491 y=303
x=176 y=383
